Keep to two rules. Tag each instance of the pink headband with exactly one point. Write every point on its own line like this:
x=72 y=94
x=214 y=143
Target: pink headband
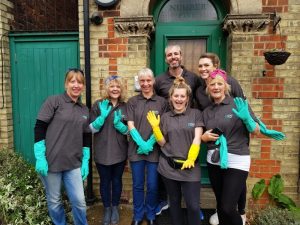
x=219 y=72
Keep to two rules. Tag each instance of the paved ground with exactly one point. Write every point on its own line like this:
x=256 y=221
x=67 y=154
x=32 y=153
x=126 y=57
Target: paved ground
x=95 y=213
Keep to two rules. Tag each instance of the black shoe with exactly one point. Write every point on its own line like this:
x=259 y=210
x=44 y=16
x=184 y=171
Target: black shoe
x=135 y=222
x=152 y=222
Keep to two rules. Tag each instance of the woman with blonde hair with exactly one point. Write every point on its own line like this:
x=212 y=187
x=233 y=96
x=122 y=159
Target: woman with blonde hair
x=179 y=135
x=110 y=145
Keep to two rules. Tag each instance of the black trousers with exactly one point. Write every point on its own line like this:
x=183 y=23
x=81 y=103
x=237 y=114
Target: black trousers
x=227 y=184
x=191 y=195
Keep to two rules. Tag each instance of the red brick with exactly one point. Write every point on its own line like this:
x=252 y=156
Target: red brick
x=283 y=2
x=111 y=34
x=111 y=13
x=113 y=68
x=112 y=61
x=267 y=108
x=102 y=48
x=271 y=2
x=266 y=142
x=265 y=149
x=259 y=46
x=265 y=155
x=122 y=47
x=256 y=87
x=112 y=47
x=267 y=115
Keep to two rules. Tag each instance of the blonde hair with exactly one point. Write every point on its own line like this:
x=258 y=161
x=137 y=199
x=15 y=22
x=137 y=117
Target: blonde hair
x=114 y=79
x=220 y=78
x=78 y=74
x=179 y=83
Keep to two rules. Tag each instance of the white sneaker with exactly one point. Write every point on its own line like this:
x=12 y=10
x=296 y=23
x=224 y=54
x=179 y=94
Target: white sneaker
x=214 y=220
x=244 y=219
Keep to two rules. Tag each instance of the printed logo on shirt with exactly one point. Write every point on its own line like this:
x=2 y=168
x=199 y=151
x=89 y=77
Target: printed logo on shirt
x=84 y=117
x=228 y=116
x=191 y=124
x=155 y=112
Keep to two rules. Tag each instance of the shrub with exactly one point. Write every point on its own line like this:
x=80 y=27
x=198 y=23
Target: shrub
x=22 y=197
x=273 y=216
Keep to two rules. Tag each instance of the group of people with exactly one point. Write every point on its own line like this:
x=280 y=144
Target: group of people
x=160 y=132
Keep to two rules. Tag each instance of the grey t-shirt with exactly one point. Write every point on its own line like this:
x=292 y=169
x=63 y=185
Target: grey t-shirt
x=110 y=146
x=179 y=133
x=235 y=132
x=64 y=138
x=137 y=109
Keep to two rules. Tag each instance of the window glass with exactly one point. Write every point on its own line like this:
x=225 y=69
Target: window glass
x=187 y=10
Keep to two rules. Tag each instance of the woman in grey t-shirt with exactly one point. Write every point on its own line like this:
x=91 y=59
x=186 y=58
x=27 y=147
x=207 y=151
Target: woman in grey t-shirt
x=179 y=135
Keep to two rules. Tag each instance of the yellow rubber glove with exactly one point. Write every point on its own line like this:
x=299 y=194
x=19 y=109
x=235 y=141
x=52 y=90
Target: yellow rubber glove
x=192 y=156
x=154 y=122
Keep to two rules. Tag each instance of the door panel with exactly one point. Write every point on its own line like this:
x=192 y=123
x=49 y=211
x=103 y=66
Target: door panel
x=38 y=70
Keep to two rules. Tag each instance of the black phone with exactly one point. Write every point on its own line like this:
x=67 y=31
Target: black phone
x=217 y=131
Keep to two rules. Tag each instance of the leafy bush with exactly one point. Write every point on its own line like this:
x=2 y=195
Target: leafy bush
x=22 y=197
x=273 y=216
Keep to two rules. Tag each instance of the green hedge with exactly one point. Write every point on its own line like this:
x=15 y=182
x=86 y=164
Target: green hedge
x=22 y=197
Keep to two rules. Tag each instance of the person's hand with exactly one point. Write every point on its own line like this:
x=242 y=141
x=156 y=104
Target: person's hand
x=41 y=165
x=85 y=162
x=192 y=156
x=118 y=124
x=152 y=119
x=242 y=112
x=154 y=122
x=104 y=111
x=148 y=147
x=209 y=136
x=223 y=151
x=104 y=108
x=277 y=135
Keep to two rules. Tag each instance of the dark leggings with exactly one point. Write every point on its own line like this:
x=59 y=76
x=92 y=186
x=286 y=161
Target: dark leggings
x=191 y=194
x=242 y=201
x=227 y=185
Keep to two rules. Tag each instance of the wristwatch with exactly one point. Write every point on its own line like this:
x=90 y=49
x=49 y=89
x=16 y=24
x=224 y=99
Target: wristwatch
x=106 y=3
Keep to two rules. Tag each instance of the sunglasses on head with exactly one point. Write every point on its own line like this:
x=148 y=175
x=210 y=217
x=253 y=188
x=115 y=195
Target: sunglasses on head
x=76 y=70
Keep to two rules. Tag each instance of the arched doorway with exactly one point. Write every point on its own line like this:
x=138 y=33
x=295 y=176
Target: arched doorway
x=196 y=25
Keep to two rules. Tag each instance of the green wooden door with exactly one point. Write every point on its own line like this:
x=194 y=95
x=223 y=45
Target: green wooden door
x=195 y=25
x=38 y=66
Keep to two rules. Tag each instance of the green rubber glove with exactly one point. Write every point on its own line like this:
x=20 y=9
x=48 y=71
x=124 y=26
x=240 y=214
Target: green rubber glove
x=223 y=151
x=277 y=135
x=104 y=110
x=149 y=147
x=144 y=147
x=121 y=127
x=242 y=112
x=41 y=165
x=85 y=162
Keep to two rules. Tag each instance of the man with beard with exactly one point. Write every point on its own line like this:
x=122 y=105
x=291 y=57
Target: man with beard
x=164 y=81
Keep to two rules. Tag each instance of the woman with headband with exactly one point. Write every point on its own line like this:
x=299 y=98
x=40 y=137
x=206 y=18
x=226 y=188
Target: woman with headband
x=110 y=145
x=228 y=155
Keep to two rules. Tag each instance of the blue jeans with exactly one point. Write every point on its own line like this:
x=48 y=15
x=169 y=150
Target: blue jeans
x=111 y=183
x=72 y=181
x=144 y=204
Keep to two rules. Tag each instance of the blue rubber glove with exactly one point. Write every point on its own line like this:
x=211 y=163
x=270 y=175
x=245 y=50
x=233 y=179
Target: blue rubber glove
x=41 y=165
x=242 y=112
x=144 y=147
x=277 y=135
x=104 y=110
x=150 y=143
x=85 y=162
x=223 y=151
x=121 y=127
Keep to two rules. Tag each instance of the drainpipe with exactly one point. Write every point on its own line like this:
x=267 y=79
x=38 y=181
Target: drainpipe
x=87 y=68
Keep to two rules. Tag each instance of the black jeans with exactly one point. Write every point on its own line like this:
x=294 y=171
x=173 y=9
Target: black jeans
x=227 y=185
x=191 y=194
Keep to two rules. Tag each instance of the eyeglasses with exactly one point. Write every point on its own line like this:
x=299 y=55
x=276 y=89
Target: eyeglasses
x=110 y=78
x=76 y=70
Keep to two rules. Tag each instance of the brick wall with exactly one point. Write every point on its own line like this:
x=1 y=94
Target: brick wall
x=47 y=15
x=273 y=96
x=6 y=127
